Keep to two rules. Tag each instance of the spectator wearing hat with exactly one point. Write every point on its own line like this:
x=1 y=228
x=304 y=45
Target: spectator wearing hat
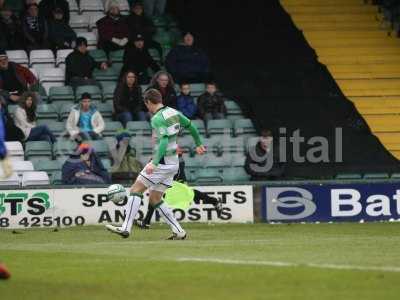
x=137 y=58
x=128 y=102
x=47 y=7
x=154 y=8
x=113 y=30
x=85 y=121
x=79 y=65
x=188 y=63
x=61 y=35
x=84 y=167
x=25 y=119
x=138 y=23
x=35 y=29
x=14 y=79
x=11 y=35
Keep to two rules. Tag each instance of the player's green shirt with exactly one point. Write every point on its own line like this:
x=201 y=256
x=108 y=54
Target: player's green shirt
x=166 y=124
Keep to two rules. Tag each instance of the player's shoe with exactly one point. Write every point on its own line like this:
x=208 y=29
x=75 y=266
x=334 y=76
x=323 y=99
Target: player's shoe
x=4 y=273
x=118 y=230
x=176 y=236
x=141 y=225
x=218 y=207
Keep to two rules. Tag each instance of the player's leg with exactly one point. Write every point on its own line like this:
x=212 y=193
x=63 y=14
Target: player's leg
x=145 y=223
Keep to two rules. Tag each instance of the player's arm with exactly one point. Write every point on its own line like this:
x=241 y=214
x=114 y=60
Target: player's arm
x=186 y=123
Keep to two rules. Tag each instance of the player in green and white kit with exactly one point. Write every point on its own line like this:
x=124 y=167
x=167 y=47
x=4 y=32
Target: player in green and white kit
x=158 y=174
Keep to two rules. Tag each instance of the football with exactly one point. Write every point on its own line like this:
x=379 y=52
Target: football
x=116 y=193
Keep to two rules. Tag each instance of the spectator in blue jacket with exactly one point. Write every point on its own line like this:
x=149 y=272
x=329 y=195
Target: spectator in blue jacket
x=187 y=63
x=185 y=102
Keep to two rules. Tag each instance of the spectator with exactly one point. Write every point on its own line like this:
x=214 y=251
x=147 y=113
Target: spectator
x=187 y=63
x=128 y=104
x=85 y=121
x=113 y=30
x=211 y=103
x=140 y=24
x=80 y=65
x=137 y=58
x=163 y=82
x=47 y=7
x=25 y=119
x=61 y=35
x=14 y=79
x=84 y=167
x=261 y=161
x=185 y=102
x=154 y=8
x=35 y=29
x=11 y=35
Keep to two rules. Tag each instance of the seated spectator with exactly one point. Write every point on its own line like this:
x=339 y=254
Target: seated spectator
x=185 y=102
x=35 y=29
x=47 y=7
x=79 y=66
x=163 y=82
x=61 y=35
x=140 y=24
x=25 y=119
x=14 y=79
x=137 y=58
x=211 y=103
x=262 y=159
x=154 y=8
x=128 y=104
x=125 y=165
x=112 y=29
x=11 y=35
x=84 y=167
x=187 y=63
x=85 y=121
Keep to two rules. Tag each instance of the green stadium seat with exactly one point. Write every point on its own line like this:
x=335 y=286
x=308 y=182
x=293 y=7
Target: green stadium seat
x=108 y=90
x=47 y=112
x=57 y=128
x=65 y=110
x=376 y=176
x=395 y=176
x=232 y=108
x=233 y=118
x=112 y=128
x=219 y=162
x=142 y=145
x=235 y=174
x=38 y=149
x=106 y=163
x=186 y=143
x=213 y=145
x=232 y=144
x=64 y=147
x=111 y=74
x=219 y=127
x=93 y=90
x=348 y=176
x=117 y=56
x=196 y=89
x=61 y=93
x=56 y=178
x=105 y=109
x=100 y=147
x=208 y=175
x=238 y=159
x=139 y=128
x=155 y=55
x=243 y=126
x=49 y=166
x=98 y=55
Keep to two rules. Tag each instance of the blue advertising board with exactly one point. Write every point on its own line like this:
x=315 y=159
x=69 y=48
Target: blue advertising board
x=331 y=202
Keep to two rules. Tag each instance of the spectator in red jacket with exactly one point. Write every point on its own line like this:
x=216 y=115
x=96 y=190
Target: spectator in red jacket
x=14 y=79
x=113 y=30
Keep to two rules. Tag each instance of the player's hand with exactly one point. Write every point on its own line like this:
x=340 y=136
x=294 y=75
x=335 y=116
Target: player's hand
x=7 y=168
x=200 y=150
x=150 y=168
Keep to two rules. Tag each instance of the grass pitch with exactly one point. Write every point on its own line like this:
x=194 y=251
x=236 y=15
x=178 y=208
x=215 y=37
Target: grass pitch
x=324 y=261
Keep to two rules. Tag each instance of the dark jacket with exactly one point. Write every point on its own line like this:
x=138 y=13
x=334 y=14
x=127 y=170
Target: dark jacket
x=187 y=106
x=138 y=60
x=46 y=8
x=11 y=35
x=186 y=60
x=126 y=100
x=79 y=65
x=35 y=37
x=140 y=25
x=60 y=34
x=95 y=174
x=208 y=103
x=109 y=28
x=23 y=75
x=169 y=99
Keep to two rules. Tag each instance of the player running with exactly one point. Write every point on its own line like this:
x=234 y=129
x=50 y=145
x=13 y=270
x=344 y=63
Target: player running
x=158 y=174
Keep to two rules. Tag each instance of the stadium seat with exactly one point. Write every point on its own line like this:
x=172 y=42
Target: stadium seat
x=372 y=176
x=196 y=89
x=57 y=128
x=51 y=77
x=139 y=128
x=20 y=167
x=61 y=93
x=117 y=56
x=10 y=182
x=41 y=59
x=61 y=56
x=48 y=166
x=35 y=178
x=64 y=147
x=142 y=145
x=186 y=143
x=106 y=110
x=89 y=7
x=100 y=147
x=208 y=175
x=73 y=6
x=200 y=126
x=155 y=55
x=56 y=178
x=18 y=56
x=65 y=110
x=91 y=39
x=210 y=160
x=15 y=150
x=213 y=145
x=98 y=54
x=237 y=159
x=111 y=74
x=47 y=112
x=106 y=163
x=112 y=128
x=232 y=108
x=108 y=90
x=79 y=23
x=243 y=127
x=41 y=149
x=93 y=90
x=93 y=18
x=232 y=144
x=219 y=127
x=235 y=174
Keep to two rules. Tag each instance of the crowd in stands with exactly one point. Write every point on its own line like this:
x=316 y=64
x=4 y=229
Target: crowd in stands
x=391 y=12
x=45 y=25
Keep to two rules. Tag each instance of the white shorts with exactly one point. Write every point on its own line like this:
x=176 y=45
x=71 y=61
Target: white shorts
x=161 y=179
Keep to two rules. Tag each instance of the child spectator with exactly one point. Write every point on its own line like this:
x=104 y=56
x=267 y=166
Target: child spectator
x=61 y=35
x=85 y=121
x=185 y=102
x=35 y=29
x=211 y=103
x=25 y=119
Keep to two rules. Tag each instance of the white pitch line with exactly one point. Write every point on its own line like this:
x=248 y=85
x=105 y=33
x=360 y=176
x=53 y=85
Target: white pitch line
x=288 y=264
